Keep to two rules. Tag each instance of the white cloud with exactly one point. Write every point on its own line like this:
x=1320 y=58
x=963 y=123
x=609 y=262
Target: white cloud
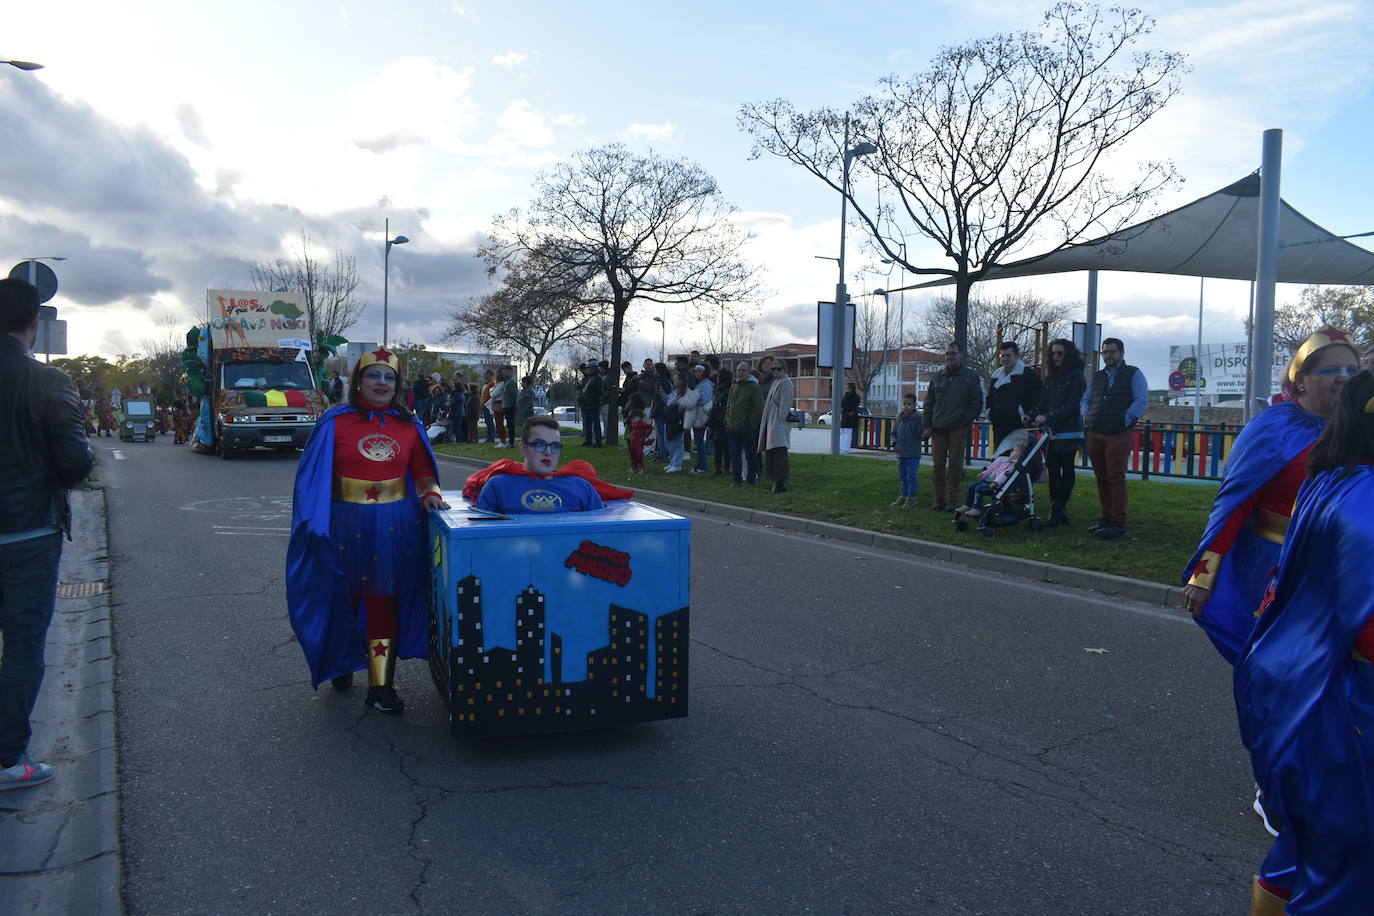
x=569 y=120
x=655 y=133
x=509 y=61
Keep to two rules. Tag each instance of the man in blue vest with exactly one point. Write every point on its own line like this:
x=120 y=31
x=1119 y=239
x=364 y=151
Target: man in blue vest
x=1112 y=405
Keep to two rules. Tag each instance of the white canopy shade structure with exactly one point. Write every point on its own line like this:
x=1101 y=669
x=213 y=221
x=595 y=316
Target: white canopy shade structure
x=1215 y=236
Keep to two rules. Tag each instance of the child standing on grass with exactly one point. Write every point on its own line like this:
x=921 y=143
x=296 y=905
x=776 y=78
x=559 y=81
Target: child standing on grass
x=639 y=434
x=992 y=477
x=906 y=440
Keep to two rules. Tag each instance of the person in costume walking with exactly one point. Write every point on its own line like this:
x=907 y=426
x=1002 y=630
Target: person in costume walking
x=1225 y=580
x=1304 y=686
x=356 y=567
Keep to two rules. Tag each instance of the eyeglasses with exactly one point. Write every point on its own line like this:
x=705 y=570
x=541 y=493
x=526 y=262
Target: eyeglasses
x=539 y=445
x=1338 y=371
x=374 y=375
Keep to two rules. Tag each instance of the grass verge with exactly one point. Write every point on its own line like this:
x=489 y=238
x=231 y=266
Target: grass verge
x=1166 y=518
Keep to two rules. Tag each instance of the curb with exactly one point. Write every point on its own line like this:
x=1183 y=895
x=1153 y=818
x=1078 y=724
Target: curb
x=59 y=843
x=1168 y=596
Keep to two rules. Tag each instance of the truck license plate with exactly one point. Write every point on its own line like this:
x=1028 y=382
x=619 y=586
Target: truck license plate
x=276 y=438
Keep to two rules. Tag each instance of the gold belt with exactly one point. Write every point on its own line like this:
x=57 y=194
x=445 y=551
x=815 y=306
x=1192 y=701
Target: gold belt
x=1269 y=525
x=353 y=490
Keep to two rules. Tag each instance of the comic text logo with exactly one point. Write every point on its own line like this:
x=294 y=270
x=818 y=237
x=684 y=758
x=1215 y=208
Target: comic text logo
x=600 y=562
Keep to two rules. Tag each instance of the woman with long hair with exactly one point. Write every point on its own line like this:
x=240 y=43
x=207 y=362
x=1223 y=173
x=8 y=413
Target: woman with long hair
x=1225 y=580
x=1060 y=410
x=1304 y=686
x=715 y=420
x=356 y=567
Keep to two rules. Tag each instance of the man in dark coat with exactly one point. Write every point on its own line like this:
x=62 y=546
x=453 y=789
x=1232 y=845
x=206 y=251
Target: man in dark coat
x=44 y=452
x=953 y=401
x=1013 y=392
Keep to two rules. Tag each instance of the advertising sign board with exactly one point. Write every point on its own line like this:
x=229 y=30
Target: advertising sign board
x=248 y=318
x=1223 y=366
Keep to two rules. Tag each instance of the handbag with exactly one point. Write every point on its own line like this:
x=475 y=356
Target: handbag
x=792 y=417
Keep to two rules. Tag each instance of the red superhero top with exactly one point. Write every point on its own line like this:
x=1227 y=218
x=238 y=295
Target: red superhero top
x=1275 y=499
x=365 y=449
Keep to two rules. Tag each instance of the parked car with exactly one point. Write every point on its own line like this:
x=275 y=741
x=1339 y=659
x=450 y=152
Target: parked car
x=565 y=413
x=824 y=419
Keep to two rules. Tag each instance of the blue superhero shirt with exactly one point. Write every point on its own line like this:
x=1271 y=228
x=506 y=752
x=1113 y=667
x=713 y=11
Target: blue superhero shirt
x=518 y=494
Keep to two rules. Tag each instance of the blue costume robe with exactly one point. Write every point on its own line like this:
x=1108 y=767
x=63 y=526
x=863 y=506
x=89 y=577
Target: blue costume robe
x=1268 y=442
x=1306 y=707
x=330 y=631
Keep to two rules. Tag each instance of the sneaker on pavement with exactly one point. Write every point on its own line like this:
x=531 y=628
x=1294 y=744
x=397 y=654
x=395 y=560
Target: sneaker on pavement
x=24 y=773
x=384 y=699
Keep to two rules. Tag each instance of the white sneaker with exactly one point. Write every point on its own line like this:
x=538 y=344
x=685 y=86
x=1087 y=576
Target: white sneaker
x=671 y=470
x=1258 y=807
x=696 y=471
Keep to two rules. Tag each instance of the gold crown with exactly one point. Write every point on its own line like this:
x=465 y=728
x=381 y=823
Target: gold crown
x=380 y=355
x=1320 y=340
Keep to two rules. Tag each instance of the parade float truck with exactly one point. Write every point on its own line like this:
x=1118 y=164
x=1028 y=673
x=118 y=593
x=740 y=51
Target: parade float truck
x=257 y=384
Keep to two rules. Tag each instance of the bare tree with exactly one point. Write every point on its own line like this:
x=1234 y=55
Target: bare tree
x=738 y=334
x=160 y=355
x=640 y=228
x=875 y=343
x=328 y=288
x=1015 y=316
x=998 y=144
x=1350 y=308
x=539 y=305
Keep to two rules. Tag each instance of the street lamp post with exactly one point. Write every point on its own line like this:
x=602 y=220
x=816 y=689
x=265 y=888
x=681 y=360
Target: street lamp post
x=662 y=337
x=901 y=321
x=22 y=64
x=841 y=294
x=386 y=276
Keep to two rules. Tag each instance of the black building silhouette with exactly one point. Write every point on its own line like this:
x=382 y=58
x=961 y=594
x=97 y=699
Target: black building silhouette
x=500 y=691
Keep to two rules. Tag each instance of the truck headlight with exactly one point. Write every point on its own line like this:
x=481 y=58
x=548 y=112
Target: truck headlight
x=150 y=426
x=128 y=425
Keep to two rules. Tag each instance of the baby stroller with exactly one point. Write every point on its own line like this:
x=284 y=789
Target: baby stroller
x=1014 y=498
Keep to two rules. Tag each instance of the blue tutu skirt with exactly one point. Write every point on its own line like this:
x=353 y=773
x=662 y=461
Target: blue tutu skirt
x=381 y=548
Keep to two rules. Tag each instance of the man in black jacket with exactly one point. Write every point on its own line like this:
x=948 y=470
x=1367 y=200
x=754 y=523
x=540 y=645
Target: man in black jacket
x=43 y=450
x=1013 y=392
x=593 y=390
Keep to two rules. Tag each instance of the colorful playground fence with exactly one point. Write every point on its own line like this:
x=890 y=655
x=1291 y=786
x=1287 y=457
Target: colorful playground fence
x=1157 y=449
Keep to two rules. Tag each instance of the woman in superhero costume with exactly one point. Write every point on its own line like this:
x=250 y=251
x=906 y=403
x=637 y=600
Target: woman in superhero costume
x=1225 y=580
x=1304 y=685
x=356 y=570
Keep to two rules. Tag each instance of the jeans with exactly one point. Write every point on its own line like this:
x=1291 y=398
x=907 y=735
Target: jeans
x=490 y=422
x=661 y=439
x=720 y=445
x=699 y=440
x=973 y=496
x=907 y=469
x=28 y=591
x=744 y=454
x=675 y=453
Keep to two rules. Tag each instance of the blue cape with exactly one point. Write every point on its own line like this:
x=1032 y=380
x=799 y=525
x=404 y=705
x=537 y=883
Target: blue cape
x=1306 y=708
x=1268 y=442
x=330 y=631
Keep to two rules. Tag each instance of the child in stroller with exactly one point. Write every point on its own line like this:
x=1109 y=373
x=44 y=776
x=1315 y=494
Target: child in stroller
x=1009 y=481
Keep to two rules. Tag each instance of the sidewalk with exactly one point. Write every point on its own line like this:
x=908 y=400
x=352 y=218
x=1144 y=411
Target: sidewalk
x=59 y=842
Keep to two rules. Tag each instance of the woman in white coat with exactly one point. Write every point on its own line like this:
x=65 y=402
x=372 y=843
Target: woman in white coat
x=775 y=435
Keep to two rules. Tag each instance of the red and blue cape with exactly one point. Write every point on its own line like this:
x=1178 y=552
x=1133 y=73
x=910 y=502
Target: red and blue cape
x=1272 y=439
x=330 y=630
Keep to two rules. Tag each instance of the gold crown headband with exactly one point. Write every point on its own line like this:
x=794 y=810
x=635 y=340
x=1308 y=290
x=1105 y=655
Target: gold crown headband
x=380 y=355
x=1320 y=340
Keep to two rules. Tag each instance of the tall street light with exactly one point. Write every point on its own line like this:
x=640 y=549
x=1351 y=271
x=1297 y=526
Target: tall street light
x=386 y=275
x=662 y=337
x=841 y=295
x=901 y=321
x=22 y=64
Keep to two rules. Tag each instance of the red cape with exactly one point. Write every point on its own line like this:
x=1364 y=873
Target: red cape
x=576 y=468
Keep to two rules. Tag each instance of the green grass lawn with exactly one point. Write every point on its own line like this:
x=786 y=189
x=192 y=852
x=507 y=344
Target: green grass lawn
x=1166 y=519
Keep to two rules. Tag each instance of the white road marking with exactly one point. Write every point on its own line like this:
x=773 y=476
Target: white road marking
x=270 y=534
x=249 y=528
x=119 y=456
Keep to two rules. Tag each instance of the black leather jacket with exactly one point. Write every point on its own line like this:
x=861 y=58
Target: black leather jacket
x=43 y=447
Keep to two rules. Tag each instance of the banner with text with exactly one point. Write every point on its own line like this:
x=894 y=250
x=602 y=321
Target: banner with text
x=248 y=318
x=1224 y=366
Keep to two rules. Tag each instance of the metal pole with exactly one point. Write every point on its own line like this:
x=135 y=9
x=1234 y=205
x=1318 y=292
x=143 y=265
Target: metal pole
x=1090 y=340
x=841 y=301
x=386 y=277
x=1266 y=268
x=1197 y=358
x=1249 y=410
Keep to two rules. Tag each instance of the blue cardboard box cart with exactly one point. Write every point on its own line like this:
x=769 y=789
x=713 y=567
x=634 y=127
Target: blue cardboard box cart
x=557 y=622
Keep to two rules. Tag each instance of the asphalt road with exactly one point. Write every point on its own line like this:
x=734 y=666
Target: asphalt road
x=869 y=733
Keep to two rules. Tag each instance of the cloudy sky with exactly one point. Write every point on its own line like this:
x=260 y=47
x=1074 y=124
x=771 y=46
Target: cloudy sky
x=169 y=144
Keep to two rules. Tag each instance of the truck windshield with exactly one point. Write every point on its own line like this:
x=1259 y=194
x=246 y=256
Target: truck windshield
x=266 y=376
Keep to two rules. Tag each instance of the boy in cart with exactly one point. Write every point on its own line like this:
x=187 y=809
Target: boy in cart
x=539 y=485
